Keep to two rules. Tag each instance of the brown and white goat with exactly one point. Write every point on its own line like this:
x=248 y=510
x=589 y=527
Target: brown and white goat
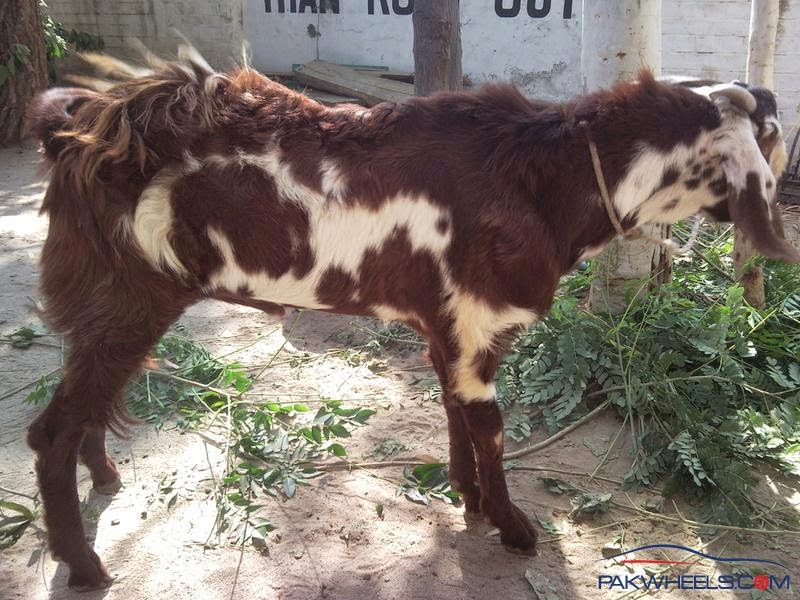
x=456 y=214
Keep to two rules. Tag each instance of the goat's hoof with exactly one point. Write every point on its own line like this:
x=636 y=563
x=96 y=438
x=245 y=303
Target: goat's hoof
x=531 y=551
x=473 y=516
x=518 y=534
x=109 y=488
x=89 y=574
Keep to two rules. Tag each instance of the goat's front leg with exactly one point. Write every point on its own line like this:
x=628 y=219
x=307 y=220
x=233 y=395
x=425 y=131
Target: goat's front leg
x=484 y=423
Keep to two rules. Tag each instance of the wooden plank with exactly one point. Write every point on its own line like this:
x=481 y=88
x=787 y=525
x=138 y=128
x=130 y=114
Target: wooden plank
x=349 y=82
x=329 y=98
x=398 y=76
x=366 y=68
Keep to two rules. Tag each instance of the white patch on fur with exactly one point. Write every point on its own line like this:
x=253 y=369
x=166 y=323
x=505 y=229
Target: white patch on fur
x=340 y=236
x=744 y=155
x=475 y=328
x=644 y=174
x=498 y=440
x=334 y=184
x=152 y=223
x=389 y=313
x=281 y=172
x=286 y=289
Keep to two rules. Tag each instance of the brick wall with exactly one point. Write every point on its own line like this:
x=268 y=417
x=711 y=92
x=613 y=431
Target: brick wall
x=216 y=27
x=708 y=38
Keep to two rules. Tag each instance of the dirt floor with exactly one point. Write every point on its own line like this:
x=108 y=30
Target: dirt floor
x=330 y=542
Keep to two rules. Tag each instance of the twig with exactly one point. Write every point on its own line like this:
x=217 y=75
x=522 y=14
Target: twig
x=557 y=436
x=241 y=557
x=29 y=384
x=192 y=382
x=590 y=476
x=349 y=466
x=390 y=338
x=698 y=524
x=20 y=494
x=714 y=266
x=610 y=448
x=32 y=343
x=258 y=375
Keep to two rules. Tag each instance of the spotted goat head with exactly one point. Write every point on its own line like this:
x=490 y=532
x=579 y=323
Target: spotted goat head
x=731 y=171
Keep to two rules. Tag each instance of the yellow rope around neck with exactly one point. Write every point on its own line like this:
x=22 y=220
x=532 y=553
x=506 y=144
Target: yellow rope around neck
x=636 y=234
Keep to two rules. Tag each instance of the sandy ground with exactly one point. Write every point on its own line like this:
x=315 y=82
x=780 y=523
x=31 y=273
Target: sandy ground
x=330 y=542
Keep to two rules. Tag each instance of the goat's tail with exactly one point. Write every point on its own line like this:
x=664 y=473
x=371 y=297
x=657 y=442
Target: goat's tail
x=51 y=112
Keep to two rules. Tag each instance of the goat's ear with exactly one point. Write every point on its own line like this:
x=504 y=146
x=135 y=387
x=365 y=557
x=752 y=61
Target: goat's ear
x=752 y=213
x=773 y=147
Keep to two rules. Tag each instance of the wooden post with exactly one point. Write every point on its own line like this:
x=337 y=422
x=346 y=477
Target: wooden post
x=764 y=16
x=437 y=46
x=620 y=37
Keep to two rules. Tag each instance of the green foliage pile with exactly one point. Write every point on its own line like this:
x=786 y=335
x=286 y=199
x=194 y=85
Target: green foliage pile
x=708 y=385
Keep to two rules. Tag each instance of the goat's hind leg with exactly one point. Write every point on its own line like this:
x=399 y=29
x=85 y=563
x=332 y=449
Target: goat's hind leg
x=56 y=436
x=105 y=477
x=104 y=353
x=463 y=472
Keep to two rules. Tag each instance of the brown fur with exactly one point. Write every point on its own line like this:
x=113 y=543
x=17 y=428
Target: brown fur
x=516 y=175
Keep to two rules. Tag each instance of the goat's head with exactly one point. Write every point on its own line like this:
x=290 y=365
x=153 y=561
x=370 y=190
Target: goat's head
x=753 y=157
x=728 y=172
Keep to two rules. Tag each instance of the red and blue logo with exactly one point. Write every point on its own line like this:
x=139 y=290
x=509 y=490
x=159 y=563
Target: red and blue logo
x=751 y=574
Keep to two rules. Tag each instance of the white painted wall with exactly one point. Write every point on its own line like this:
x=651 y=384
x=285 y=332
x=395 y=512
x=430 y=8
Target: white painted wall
x=540 y=54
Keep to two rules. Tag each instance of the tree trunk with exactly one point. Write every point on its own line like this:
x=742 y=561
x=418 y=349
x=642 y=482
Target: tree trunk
x=437 y=46
x=618 y=39
x=20 y=23
x=764 y=16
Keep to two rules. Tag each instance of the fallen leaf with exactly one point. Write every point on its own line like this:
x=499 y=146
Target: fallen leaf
x=542 y=587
